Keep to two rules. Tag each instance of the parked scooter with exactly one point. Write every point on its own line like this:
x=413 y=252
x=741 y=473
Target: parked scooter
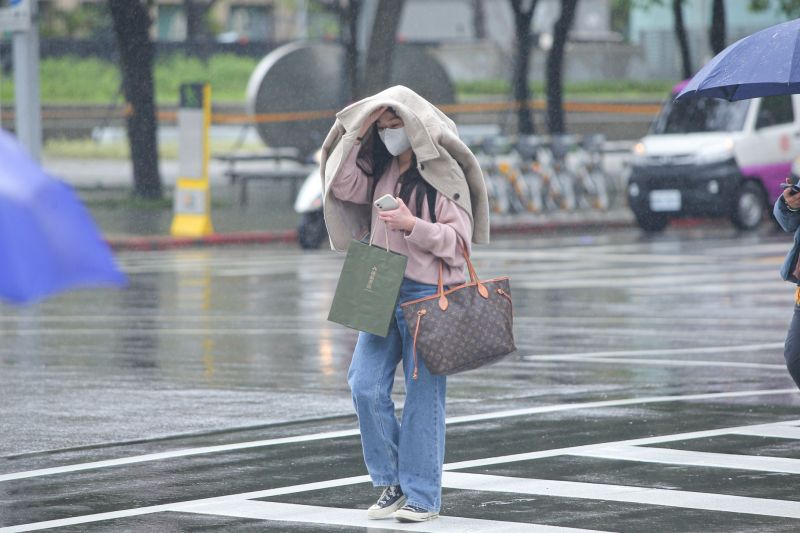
x=311 y=232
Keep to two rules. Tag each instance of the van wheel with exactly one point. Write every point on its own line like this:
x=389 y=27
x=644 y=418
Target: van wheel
x=651 y=222
x=749 y=206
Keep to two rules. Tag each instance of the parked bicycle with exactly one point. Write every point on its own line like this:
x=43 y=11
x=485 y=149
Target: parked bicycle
x=591 y=187
x=560 y=190
x=536 y=174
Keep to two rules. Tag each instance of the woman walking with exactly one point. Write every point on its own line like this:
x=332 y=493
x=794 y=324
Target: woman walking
x=399 y=144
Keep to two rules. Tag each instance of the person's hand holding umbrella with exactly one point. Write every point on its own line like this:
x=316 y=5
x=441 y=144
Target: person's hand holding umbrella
x=791 y=196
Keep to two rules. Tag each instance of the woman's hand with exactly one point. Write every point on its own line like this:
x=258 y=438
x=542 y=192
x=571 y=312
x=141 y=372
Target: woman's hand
x=791 y=198
x=371 y=120
x=400 y=218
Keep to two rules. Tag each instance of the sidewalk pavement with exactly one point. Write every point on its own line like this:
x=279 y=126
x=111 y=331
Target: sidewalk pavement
x=500 y=225
x=96 y=174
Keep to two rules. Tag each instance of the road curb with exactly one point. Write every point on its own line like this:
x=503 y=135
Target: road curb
x=166 y=242
x=559 y=225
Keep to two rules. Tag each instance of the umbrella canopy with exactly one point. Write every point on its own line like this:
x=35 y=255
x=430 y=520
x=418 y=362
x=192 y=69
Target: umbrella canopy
x=766 y=63
x=48 y=241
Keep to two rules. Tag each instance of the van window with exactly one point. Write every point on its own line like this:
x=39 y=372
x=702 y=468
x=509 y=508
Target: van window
x=699 y=115
x=775 y=110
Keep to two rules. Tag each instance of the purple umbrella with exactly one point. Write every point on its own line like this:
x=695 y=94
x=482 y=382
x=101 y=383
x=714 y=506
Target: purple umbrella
x=766 y=63
x=48 y=241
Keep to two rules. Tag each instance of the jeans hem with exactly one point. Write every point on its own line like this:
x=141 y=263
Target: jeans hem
x=382 y=483
x=415 y=503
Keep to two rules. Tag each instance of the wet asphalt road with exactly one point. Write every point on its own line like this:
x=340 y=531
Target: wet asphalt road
x=648 y=394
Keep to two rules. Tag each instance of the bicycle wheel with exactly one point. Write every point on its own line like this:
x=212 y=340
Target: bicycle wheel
x=592 y=193
x=535 y=187
x=520 y=194
x=564 y=190
x=498 y=194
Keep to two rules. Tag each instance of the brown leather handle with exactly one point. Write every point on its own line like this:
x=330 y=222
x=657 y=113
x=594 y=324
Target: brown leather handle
x=473 y=276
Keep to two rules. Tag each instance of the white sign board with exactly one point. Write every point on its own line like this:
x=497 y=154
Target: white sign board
x=191 y=134
x=15 y=15
x=190 y=201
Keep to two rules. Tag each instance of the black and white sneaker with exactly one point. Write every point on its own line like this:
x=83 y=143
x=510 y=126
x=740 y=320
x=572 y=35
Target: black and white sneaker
x=390 y=501
x=412 y=513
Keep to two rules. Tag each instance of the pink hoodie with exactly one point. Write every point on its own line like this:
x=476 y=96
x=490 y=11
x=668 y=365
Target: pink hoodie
x=428 y=241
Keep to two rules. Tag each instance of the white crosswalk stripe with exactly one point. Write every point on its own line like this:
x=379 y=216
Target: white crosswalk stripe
x=692 y=458
x=333 y=516
x=777 y=432
x=242 y=505
x=623 y=493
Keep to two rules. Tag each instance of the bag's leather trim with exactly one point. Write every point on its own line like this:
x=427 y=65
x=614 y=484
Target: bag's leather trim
x=420 y=314
x=448 y=291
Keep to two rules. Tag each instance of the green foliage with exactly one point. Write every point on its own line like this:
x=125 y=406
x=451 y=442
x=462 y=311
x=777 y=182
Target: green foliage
x=645 y=4
x=790 y=8
x=589 y=89
x=82 y=22
x=620 y=16
x=93 y=81
x=71 y=79
x=483 y=87
x=110 y=201
x=227 y=73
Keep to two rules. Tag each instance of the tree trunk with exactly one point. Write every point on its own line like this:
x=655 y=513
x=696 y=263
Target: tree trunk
x=380 y=52
x=718 y=30
x=194 y=17
x=522 y=57
x=197 y=33
x=555 y=67
x=348 y=24
x=131 y=22
x=683 y=39
x=479 y=19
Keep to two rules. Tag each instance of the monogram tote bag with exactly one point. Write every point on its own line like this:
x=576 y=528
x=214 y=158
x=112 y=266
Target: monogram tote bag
x=462 y=328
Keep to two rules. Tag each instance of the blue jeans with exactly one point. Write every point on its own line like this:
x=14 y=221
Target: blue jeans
x=409 y=453
x=791 y=350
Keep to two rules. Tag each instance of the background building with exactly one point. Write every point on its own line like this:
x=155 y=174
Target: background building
x=643 y=47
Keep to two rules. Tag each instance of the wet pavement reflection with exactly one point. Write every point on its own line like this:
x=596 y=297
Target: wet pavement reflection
x=219 y=346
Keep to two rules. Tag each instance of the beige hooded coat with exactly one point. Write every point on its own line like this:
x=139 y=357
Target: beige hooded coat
x=443 y=160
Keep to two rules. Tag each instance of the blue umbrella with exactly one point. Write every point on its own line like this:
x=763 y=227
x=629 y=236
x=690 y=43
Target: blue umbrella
x=48 y=242
x=766 y=63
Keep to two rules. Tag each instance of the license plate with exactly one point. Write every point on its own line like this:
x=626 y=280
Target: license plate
x=665 y=200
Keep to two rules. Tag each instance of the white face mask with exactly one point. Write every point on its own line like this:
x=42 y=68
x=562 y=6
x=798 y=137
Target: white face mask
x=396 y=140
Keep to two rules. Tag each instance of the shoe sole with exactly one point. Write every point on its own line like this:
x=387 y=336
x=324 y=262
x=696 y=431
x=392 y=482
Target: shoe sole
x=377 y=514
x=402 y=517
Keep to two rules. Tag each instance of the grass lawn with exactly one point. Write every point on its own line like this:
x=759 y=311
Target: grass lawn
x=92 y=81
x=69 y=80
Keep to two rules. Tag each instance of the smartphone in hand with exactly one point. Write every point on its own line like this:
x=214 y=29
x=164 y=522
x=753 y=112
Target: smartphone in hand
x=387 y=202
x=794 y=187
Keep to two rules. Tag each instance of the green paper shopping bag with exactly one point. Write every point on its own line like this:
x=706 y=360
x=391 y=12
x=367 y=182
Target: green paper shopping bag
x=368 y=288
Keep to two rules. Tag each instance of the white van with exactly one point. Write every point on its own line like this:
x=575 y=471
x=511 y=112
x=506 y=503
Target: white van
x=712 y=158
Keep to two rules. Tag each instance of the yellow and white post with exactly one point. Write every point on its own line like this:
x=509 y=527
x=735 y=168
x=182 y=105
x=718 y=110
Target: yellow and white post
x=192 y=204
